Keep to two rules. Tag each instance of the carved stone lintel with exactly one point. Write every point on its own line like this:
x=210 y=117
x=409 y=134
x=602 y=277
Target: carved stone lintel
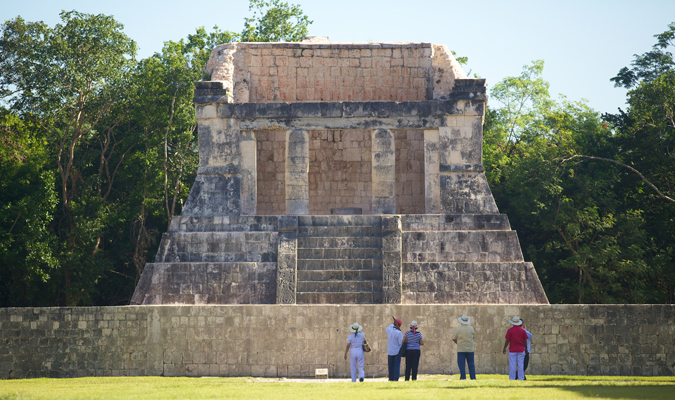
x=391 y=259
x=297 y=172
x=384 y=172
x=287 y=245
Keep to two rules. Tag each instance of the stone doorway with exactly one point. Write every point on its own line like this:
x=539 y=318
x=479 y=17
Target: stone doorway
x=340 y=170
x=270 y=174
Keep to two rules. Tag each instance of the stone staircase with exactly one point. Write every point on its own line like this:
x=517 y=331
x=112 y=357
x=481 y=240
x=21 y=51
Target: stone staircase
x=213 y=260
x=339 y=260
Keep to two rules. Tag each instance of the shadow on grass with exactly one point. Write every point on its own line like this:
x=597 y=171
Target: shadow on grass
x=590 y=379
x=642 y=391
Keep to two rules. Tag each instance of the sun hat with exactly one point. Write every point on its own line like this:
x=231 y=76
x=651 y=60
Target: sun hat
x=413 y=326
x=464 y=320
x=355 y=328
x=516 y=321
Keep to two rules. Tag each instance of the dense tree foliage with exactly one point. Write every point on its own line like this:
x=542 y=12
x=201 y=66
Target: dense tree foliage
x=97 y=150
x=275 y=21
x=580 y=187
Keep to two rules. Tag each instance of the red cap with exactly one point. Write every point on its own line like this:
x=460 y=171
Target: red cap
x=398 y=322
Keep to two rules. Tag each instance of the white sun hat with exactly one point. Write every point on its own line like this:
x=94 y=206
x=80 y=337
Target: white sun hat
x=516 y=321
x=464 y=320
x=355 y=328
x=414 y=323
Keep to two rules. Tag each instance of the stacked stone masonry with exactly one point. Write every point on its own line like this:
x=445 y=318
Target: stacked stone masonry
x=292 y=137
x=409 y=149
x=271 y=172
x=301 y=72
x=349 y=259
x=292 y=341
x=340 y=172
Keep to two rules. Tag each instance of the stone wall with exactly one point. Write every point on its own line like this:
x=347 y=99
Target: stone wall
x=339 y=171
x=409 y=149
x=212 y=283
x=300 y=72
x=271 y=170
x=291 y=341
x=361 y=259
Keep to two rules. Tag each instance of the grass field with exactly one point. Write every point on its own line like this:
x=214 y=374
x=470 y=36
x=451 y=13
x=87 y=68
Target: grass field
x=427 y=387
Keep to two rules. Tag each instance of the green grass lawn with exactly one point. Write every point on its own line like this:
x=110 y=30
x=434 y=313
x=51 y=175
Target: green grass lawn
x=428 y=387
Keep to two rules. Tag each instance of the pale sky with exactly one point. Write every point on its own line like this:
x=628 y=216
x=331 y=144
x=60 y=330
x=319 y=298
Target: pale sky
x=584 y=43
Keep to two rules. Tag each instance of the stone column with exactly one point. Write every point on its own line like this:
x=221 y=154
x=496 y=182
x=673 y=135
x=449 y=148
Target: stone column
x=432 y=188
x=249 y=181
x=463 y=186
x=287 y=248
x=384 y=172
x=391 y=259
x=217 y=188
x=297 y=172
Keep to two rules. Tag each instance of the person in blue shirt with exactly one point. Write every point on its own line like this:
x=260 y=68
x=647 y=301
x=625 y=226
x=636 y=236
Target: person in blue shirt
x=394 y=342
x=412 y=354
x=528 y=349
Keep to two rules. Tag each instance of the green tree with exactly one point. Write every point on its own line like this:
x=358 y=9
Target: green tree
x=646 y=142
x=27 y=206
x=275 y=21
x=70 y=83
x=586 y=245
x=101 y=150
x=650 y=65
x=163 y=114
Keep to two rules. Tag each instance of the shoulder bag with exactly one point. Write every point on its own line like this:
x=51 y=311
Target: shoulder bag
x=366 y=347
x=401 y=351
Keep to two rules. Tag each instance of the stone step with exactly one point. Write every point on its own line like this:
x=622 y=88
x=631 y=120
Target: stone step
x=338 y=298
x=340 y=287
x=207 y=283
x=218 y=247
x=339 y=242
x=461 y=246
x=339 y=265
x=340 y=275
x=469 y=282
x=339 y=231
x=339 y=220
x=455 y=222
x=339 y=254
x=238 y=223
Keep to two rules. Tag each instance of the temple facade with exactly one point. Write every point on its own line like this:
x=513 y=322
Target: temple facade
x=339 y=173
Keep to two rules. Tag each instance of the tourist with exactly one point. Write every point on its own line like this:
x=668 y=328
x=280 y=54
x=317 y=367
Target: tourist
x=355 y=350
x=516 y=339
x=463 y=338
x=526 y=361
x=394 y=342
x=413 y=339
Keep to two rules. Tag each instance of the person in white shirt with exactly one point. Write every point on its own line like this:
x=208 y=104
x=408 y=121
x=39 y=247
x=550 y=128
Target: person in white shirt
x=463 y=338
x=528 y=349
x=394 y=342
x=355 y=350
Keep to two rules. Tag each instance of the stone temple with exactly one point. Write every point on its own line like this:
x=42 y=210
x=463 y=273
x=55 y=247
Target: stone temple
x=339 y=173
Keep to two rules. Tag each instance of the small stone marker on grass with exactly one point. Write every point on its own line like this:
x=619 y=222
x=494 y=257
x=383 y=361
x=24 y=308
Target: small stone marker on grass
x=321 y=373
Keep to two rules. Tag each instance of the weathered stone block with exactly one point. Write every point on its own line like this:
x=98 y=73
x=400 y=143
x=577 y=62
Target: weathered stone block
x=282 y=340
